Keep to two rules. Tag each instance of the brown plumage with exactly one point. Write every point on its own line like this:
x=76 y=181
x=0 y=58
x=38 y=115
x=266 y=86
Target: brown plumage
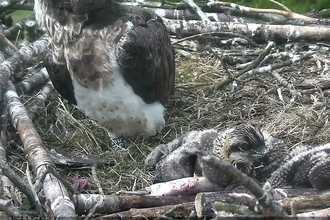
x=114 y=58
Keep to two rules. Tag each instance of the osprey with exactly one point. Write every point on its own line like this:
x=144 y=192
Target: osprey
x=117 y=62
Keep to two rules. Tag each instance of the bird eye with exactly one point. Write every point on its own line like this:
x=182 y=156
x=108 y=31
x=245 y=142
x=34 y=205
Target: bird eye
x=244 y=147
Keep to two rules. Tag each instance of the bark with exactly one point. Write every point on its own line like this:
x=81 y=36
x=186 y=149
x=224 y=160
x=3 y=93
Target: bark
x=6 y=47
x=204 y=201
x=36 y=80
x=304 y=202
x=45 y=91
x=269 y=208
x=181 y=211
x=259 y=33
x=231 y=13
x=7 y=206
x=319 y=214
x=183 y=186
x=286 y=13
x=114 y=203
x=16 y=62
x=197 y=10
x=55 y=192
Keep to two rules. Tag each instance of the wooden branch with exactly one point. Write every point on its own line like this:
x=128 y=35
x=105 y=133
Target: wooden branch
x=226 y=13
x=6 y=47
x=45 y=91
x=304 y=202
x=77 y=162
x=7 y=206
x=204 y=201
x=183 y=186
x=7 y=189
x=55 y=192
x=197 y=9
x=37 y=79
x=260 y=33
x=269 y=208
x=172 y=211
x=15 y=62
x=324 y=213
x=115 y=203
x=245 y=71
x=287 y=14
x=267 y=69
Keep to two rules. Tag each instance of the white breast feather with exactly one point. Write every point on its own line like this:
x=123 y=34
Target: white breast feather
x=118 y=109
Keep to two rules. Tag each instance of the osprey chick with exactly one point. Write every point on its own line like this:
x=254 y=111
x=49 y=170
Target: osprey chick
x=243 y=146
x=117 y=62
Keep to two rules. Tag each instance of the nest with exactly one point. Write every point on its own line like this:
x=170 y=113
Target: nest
x=296 y=116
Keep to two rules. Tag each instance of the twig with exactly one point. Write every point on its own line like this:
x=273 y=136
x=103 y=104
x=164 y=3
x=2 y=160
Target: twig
x=15 y=62
x=21 y=185
x=269 y=208
x=37 y=79
x=96 y=180
x=238 y=75
x=197 y=9
x=287 y=13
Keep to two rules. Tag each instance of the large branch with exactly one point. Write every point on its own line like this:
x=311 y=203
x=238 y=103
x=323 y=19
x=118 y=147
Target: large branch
x=260 y=33
x=55 y=193
x=117 y=203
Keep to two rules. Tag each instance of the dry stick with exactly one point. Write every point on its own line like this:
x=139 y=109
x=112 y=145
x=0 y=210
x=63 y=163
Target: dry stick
x=285 y=83
x=197 y=9
x=269 y=208
x=318 y=201
x=38 y=101
x=233 y=208
x=213 y=10
x=204 y=201
x=45 y=91
x=177 y=211
x=287 y=14
x=7 y=206
x=254 y=64
x=7 y=186
x=269 y=68
x=96 y=180
x=117 y=203
x=325 y=213
x=54 y=191
x=221 y=34
x=266 y=32
x=7 y=48
x=15 y=62
x=37 y=79
x=21 y=185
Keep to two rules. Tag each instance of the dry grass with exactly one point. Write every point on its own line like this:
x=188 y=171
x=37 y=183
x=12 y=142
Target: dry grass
x=255 y=101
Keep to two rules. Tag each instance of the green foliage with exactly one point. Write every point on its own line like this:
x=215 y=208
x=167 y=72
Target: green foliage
x=298 y=6
x=19 y=15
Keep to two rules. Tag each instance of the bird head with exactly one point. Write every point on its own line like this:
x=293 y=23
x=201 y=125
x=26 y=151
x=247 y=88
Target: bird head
x=243 y=145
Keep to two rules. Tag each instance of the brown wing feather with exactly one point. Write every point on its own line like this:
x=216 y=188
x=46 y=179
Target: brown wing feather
x=146 y=58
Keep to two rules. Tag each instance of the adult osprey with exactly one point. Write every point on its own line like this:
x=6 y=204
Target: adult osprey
x=119 y=62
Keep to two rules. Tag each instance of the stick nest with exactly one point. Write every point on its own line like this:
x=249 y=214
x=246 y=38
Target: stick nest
x=303 y=119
